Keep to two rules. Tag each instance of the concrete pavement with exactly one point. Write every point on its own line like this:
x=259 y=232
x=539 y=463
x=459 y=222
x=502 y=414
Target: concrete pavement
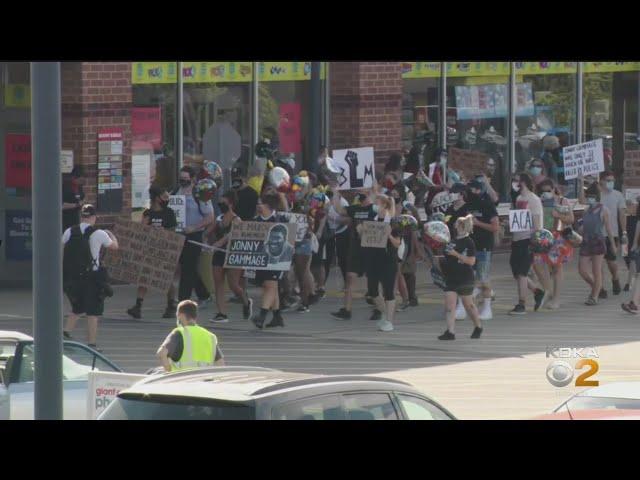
x=501 y=375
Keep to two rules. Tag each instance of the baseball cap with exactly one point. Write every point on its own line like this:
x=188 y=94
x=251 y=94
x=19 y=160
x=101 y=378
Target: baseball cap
x=88 y=210
x=458 y=188
x=475 y=184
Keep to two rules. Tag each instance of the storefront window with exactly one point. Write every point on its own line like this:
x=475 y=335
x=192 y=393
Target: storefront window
x=420 y=109
x=477 y=133
x=15 y=170
x=153 y=129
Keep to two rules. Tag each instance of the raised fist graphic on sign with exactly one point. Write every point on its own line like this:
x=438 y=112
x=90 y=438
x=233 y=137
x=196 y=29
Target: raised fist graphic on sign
x=352 y=159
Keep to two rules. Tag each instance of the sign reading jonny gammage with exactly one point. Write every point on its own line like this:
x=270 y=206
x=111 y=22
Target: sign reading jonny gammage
x=147 y=257
x=261 y=246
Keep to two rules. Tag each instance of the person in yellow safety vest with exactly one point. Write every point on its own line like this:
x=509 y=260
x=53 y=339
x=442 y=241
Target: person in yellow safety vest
x=189 y=345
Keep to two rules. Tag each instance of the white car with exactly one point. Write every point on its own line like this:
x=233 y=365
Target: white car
x=16 y=376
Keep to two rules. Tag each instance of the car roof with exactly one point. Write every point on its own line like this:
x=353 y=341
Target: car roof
x=244 y=383
x=630 y=390
x=13 y=335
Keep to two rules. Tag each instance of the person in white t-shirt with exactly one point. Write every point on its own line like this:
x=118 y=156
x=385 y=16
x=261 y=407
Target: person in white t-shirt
x=617 y=206
x=84 y=289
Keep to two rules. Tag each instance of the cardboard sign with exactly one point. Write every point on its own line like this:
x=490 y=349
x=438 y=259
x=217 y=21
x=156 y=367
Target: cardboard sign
x=103 y=388
x=356 y=169
x=583 y=159
x=178 y=204
x=17 y=150
x=261 y=246
x=147 y=257
x=520 y=221
x=631 y=194
x=469 y=162
x=374 y=234
x=300 y=220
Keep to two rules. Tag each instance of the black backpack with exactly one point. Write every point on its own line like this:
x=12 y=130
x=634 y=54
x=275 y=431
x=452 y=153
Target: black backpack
x=77 y=259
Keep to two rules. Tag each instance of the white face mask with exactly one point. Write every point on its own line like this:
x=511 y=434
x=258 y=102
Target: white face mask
x=515 y=186
x=546 y=195
x=374 y=207
x=609 y=185
x=591 y=200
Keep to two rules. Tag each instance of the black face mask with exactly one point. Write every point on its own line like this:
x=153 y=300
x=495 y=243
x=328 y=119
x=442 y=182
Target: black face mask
x=224 y=208
x=184 y=183
x=163 y=203
x=236 y=183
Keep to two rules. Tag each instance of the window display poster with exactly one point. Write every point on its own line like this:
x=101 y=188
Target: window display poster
x=66 y=161
x=289 y=130
x=146 y=125
x=17 y=160
x=491 y=101
x=140 y=180
x=18 y=237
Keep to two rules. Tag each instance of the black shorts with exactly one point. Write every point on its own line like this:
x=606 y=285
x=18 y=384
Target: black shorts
x=382 y=272
x=316 y=258
x=266 y=275
x=355 y=259
x=610 y=256
x=462 y=290
x=218 y=259
x=84 y=296
x=521 y=258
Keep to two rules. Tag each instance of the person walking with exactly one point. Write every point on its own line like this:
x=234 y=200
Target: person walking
x=161 y=216
x=457 y=269
x=84 y=282
x=189 y=345
x=72 y=197
x=634 y=256
x=219 y=234
x=199 y=215
x=596 y=227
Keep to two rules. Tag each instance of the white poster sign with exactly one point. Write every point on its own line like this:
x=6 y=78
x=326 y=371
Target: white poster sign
x=583 y=159
x=631 y=194
x=178 y=204
x=140 y=180
x=66 y=161
x=520 y=221
x=355 y=168
x=103 y=388
x=300 y=219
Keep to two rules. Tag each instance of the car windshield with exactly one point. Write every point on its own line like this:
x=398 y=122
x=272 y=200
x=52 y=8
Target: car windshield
x=601 y=403
x=175 y=409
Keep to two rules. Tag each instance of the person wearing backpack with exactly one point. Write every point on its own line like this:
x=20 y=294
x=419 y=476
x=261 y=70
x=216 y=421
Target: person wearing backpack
x=83 y=280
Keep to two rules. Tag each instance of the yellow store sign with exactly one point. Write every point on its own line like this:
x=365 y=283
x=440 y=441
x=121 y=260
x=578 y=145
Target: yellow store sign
x=154 y=72
x=17 y=95
x=215 y=72
x=603 y=67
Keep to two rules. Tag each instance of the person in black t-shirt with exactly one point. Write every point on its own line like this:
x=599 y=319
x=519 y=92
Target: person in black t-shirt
x=72 y=196
x=161 y=216
x=456 y=210
x=485 y=225
x=247 y=196
x=457 y=268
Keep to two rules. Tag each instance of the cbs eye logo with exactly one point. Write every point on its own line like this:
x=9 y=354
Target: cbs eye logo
x=560 y=373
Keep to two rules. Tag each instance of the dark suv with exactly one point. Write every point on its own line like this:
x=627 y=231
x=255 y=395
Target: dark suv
x=250 y=393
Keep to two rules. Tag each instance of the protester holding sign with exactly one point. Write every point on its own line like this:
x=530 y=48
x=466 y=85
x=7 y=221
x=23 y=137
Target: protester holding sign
x=521 y=257
x=595 y=222
x=161 y=216
x=218 y=234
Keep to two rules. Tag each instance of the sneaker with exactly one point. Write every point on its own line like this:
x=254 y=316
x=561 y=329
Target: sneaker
x=258 y=321
x=94 y=346
x=403 y=307
x=220 y=318
x=615 y=288
x=204 y=304
x=385 y=326
x=552 y=306
x=170 y=311
x=321 y=293
x=486 y=314
x=276 y=321
x=630 y=307
x=626 y=287
x=476 y=332
x=518 y=310
x=591 y=301
x=135 y=312
x=375 y=315
x=67 y=335
x=342 y=314
x=413 y=302
x=447 y=336
x=539 y=297
x=314 y=298
x=303 y=309
x=370 y=300
x=461 y=313
x=603 y=294
x=291 y=303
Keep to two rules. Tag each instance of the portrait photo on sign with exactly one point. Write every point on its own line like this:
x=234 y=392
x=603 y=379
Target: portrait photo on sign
x=356 y=168
x=261 y=246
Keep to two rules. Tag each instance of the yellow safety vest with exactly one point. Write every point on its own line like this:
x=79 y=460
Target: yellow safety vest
x=199 y=348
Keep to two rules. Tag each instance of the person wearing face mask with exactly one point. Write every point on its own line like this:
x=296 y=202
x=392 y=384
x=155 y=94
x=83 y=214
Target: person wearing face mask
x=247 y=196
x=595 y=228
x=189 y=345
x=383 y=266
x=218 y=234
x=515 y=190
x=617 y=207
x=159 y=215
x=536 y=169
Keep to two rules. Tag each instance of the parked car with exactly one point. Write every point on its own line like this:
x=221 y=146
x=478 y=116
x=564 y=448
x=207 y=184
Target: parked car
x=250 y=393
x=614 y=401
x=16 y=376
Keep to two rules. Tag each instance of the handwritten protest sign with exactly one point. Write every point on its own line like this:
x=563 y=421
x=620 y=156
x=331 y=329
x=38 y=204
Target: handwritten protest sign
x=148 y=256
x=261 y=246
x=469 y=162
x=583 y=159
x=374 y=234
x=300 y=221
x=178 y=204
x=520 y=221
x=355 y=167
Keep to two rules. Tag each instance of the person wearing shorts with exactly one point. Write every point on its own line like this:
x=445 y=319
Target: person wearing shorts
x=457 y=269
